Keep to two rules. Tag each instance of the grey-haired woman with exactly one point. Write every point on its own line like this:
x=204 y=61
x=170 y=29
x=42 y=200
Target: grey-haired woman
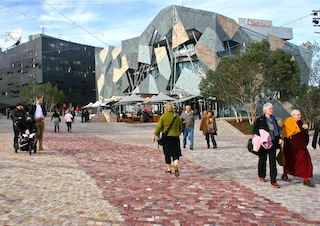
x=268 y=123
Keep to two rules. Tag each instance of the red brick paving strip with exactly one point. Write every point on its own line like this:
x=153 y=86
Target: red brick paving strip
x=133 y=180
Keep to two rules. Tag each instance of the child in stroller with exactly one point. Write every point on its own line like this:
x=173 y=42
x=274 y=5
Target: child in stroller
x=27 y=137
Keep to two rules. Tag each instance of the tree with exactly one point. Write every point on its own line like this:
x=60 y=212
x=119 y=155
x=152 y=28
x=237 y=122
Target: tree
x=257 y=75
x=29 y=92
x=282 y=77
x=230 y=85
x=308 y=102
x=51 y=94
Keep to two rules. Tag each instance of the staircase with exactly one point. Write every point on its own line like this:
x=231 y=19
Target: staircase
x=105 y=116
x=97 y=118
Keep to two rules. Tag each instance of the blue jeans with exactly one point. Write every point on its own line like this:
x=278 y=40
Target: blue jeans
x=186 y=132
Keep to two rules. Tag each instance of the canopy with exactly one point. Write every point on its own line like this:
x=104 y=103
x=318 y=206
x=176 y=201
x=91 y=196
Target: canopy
x=184 y=99
x=149 y=100
x=160 y=98
x=132 y=99
x=97 y=104
x=88 y=105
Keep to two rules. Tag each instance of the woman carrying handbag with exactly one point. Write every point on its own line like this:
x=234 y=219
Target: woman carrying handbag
x=171 y=145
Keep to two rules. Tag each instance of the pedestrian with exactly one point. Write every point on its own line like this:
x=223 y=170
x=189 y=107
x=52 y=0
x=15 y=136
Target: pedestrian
x=187 y=118
x=204 y=113
x=171 y=147
x=68 y=118
x=86 y=115
x=316 y=134
x=208 y=126
x=268 y=123
x=8 y=113
x=73 y=113
x=77 y=111
x=56 y=120
x=38 y=113
x=18 y=115
x=297 y=158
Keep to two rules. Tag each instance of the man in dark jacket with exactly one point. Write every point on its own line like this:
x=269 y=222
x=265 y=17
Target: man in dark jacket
x=38 y=113
x=316 y=133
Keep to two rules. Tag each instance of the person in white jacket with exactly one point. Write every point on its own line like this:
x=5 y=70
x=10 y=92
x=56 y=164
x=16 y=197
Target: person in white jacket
x=68 y=118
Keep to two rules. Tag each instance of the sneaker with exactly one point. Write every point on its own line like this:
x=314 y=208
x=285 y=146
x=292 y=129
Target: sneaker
x=176 y=171
x=308 y=183
x=168 y=171
x=184 y=146
x=262 y=179
x=191 y=148
x=275 y=185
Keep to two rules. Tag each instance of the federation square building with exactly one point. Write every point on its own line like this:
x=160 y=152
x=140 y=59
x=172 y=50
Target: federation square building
x=172 y=55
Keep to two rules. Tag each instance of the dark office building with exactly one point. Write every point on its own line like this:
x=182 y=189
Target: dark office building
x=68 y=65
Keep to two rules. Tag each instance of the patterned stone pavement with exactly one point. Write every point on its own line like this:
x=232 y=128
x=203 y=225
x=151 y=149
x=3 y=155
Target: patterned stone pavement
x=111 y=174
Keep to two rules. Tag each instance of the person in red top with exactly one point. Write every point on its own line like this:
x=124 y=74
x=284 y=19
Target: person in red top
x=77 y=111
x=297 y=158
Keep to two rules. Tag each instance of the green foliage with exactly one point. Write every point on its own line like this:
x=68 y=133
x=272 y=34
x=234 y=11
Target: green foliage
x=256 y=75
x=29 y=92
x=308 y=102
x=51 y=95
x=250 y=128
x=282 y=75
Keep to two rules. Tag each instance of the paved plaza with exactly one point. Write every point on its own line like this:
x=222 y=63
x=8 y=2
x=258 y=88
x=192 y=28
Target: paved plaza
x=112 y=174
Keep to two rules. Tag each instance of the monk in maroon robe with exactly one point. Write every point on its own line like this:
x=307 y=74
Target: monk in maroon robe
x=297 y=158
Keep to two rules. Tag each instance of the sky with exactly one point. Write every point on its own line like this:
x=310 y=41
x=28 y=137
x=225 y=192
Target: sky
x=101 y=23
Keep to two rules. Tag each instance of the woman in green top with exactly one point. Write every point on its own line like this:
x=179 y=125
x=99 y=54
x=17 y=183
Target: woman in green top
x=171 y=148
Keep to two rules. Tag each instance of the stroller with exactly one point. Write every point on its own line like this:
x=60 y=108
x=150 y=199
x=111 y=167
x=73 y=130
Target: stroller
x=27 y=138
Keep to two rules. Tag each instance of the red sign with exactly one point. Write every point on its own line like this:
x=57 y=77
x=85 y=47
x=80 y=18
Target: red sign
x=263 y=23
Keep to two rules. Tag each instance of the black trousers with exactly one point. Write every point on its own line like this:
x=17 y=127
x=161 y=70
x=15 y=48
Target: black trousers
x=69 y=126
x=210 y=136
x=262 y=165
x=168 y=159
x=16 y=131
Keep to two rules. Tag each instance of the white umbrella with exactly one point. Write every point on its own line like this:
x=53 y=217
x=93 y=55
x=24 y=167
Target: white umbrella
x=97 y=104
x=149 y=100
x=160 y=98
x=132 y=99
x=88 y=105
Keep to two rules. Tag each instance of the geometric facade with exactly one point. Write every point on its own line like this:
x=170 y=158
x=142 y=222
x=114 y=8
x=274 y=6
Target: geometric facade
x=179 y=47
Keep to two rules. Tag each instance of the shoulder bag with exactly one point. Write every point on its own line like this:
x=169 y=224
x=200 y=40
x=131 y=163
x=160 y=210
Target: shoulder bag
x=164 y=135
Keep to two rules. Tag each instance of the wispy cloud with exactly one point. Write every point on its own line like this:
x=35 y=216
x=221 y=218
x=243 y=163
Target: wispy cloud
x=112 y=21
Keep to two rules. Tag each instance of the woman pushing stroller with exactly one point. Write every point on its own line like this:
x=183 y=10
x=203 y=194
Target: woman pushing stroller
x=19 y=115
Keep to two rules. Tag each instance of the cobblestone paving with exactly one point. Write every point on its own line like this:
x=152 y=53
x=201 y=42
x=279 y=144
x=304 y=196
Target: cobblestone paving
x=111 y=174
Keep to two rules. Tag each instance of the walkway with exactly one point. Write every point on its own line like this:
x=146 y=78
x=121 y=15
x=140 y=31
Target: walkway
x=111 y=174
